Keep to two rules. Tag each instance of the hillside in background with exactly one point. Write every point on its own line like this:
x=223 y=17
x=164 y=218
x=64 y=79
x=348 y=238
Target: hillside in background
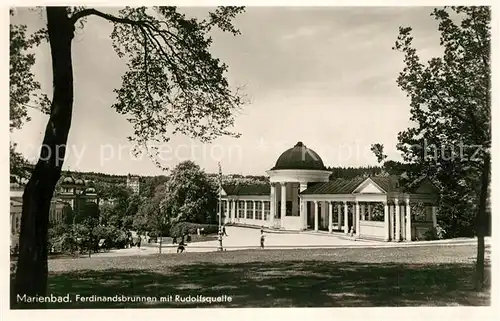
x=148 y=183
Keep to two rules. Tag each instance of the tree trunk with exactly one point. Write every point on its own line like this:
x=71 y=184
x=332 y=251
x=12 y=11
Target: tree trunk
x=481 y=221
x=31 y=273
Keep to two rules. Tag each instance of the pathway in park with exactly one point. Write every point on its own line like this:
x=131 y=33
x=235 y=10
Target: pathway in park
x=249 y=238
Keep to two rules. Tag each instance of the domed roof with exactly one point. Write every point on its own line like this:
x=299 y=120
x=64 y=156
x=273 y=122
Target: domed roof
x=79 y=182
x=299 y=157
x=69 y=180
x=90 y=190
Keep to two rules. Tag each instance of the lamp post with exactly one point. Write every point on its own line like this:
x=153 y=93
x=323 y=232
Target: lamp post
x=220 y=248
x=92 y=220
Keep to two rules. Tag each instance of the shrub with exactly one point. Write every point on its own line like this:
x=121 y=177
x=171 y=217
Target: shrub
x=182 y=228
x=430 y=235
x=115 y=237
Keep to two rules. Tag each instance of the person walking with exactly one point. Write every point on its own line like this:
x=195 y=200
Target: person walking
x=262 y=238
x=181 y=247
x=224 y=230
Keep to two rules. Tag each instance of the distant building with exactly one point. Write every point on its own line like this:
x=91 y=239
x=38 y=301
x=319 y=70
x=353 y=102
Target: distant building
x=56 y=214
x=133 y=182
x=76 y=190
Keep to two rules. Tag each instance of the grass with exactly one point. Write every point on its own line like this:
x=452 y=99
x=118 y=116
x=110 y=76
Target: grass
x=384 y=277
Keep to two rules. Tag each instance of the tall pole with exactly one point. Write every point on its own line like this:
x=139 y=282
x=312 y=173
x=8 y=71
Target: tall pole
x=220 y=197
x=220 y=208
x=161 y=220
x=74 y=219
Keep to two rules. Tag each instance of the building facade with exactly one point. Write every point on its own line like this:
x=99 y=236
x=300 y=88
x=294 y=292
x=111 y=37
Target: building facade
x=71 y=194
x=301 y=197
x=56 y=214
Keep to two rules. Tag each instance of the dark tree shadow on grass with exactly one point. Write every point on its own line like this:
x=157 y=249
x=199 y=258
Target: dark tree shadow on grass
x=278 y=284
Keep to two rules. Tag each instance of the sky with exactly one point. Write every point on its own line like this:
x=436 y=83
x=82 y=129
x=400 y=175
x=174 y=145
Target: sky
x=325 y=76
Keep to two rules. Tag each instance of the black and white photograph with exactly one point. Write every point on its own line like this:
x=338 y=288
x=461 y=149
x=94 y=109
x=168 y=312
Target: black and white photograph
x=245 y=156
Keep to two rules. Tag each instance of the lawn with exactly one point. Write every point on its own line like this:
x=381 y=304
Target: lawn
x=384 y=277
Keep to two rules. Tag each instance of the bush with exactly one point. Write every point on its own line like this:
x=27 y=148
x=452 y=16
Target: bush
x=182 y=228
x=113 y=236
x=430 y=235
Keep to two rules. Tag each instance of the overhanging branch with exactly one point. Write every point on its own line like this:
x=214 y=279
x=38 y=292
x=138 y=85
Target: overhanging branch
x=107 y=16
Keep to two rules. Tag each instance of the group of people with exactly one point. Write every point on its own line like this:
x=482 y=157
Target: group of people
x=185 y=238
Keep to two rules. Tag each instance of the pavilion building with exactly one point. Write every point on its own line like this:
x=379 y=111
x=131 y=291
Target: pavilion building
x=301 y=196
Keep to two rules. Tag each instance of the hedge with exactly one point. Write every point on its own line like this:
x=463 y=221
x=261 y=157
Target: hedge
x=183 y=228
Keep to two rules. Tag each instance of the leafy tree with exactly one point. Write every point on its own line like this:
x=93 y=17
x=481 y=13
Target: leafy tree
x=24 y=90
x=89 y=218
x=172 y=85
x=134 y=202
x=353 y=172
x=58 y=232
x=450 y=105
x=191 y=195
x=125 y=204
x=18 y=164
x=108 y=214
x=378 y=150
x=153 y=214
x=149 y=184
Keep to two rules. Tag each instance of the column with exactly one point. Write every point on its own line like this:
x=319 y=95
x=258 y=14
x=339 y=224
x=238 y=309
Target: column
x=339 y=216
x=303 y=213
x=357 y=218
x=245 y=212
x=369 y=212
x=398 y=220
x=330 y=217
x=272 y=205
x=316 y=210
x=234 y=210
x=346 y=219
x=362 y=209
x=283 y=204
x=391 y=221
x=434 y=216
x=386 y=221
x=262 y=211
x=303 y=208
x=402 y=209
x=408 y=220
x=254 y=209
